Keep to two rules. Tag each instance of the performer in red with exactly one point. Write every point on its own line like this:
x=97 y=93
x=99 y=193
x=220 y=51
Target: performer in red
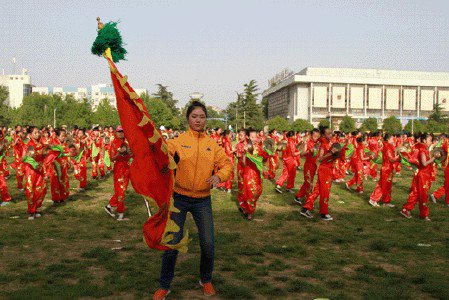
x=36 y=185
x=57 y=167
x=422 y=181
x=273 y=161
x=5 y=197
x=121 y=155
x=19 y=149
x=310 y=151
x=252 y=175
x=227 y=185
x=240 y=153
x=358 y=160
x=383 y=187
x=327 y=154
x=79 y=158
x=97 y=155
x=444 y=190
x=289 y=161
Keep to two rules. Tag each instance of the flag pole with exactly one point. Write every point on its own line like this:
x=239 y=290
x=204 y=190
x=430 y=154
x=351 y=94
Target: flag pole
x=148 y=207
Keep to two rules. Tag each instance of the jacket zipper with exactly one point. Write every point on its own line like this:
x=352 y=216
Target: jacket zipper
x=196 y=165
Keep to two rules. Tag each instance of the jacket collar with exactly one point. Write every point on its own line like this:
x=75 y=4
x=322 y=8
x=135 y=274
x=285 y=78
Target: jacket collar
x=196 y=134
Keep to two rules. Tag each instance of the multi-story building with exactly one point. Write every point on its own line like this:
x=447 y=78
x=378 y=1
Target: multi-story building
x=94 y=93
x=18 y=87
x=319 y=93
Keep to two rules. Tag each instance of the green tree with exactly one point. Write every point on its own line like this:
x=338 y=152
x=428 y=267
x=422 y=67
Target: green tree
x=251 y=109
x=4 y=108
x=75 y=112
x=418 y=126
x=301 y=125
x=324 y=123
x=37 y=110
x=347 y=124
x=370 y=125
x=392 y=125
x=264 y=104
x=105 y=114
x=167 y=97
x=278 y=123
x=160 y=113
x=438 y=121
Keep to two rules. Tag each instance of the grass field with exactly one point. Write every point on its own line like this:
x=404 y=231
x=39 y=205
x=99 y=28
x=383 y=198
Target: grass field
x=78 y=251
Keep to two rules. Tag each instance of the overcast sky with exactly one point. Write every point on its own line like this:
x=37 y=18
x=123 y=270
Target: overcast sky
x=216 y=46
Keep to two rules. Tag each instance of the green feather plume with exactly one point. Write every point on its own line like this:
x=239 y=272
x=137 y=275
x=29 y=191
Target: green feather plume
x=109 y=37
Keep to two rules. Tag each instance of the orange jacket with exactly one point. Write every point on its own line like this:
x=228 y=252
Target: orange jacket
x=196 y=154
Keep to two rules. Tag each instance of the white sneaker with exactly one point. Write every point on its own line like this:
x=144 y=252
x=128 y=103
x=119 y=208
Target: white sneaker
x=108 y=210
x=120 y=217
x=21 y=190
x=31 y=217
x=432 y=197
x=373 y=203
x=37 y=215
x=229 y=191
x=347 y=186
x=389 y=205
x=290 y=191
x=4 y=204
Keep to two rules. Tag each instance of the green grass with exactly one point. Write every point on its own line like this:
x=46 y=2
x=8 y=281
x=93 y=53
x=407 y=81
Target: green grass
x=77 y=251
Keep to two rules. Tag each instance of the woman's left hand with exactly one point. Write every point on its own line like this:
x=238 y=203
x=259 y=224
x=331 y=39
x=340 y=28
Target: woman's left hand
x=214 y=180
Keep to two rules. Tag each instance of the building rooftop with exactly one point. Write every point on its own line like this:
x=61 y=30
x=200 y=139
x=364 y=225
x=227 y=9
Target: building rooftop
x=363 y=76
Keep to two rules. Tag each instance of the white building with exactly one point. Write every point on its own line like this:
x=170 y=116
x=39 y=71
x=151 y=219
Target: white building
x=318 y=93
x=18 y=87
x=94 y=93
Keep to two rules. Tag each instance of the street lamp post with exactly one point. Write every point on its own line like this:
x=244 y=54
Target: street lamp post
x=54 y=118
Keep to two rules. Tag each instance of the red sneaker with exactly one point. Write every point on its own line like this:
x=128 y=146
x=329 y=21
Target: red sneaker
x=208 y=289
x=160 y=294
x=406 y=213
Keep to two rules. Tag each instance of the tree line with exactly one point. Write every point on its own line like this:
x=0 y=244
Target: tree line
x=245 y=111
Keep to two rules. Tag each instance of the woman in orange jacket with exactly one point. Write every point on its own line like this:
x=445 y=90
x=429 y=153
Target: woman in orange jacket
x=196 y=154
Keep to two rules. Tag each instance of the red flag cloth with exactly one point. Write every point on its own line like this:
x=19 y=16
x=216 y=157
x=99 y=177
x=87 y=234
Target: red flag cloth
x=151 y=170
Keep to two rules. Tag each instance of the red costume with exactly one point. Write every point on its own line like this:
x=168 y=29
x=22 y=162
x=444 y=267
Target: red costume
x=57 y=167
x=289 y=162
x=97 y=154
x=421 y=184
x=324 y=182
x=385 y=183
x=240 y=153
x=310 y=168
x=121 y=175
x=228 y=150
x=80 y=162
x=444 y=190
x=36 y=185
x=19 y=149
x=357 y=165
x=252 y=179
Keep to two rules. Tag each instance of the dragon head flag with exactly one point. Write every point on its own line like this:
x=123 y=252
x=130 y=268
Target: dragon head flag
x=152 y=168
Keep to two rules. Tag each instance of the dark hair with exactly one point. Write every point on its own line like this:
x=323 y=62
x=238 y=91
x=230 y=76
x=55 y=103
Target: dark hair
x=31 y=128
x=314 y=130
x=249 y=130
x=193 y=105
x=290 y=133
x=225 y=132
x=323 y=129
x=387 y=136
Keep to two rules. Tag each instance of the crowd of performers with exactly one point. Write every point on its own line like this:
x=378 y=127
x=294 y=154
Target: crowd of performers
x=46 y=156
x=330 y=156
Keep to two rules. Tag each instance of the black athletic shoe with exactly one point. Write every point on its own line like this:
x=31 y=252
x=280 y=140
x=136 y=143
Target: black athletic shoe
x=326 y=217
x=298 y=200
x=278 y=189
x=306 y=213
x=109 y=211
x=242 y=212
